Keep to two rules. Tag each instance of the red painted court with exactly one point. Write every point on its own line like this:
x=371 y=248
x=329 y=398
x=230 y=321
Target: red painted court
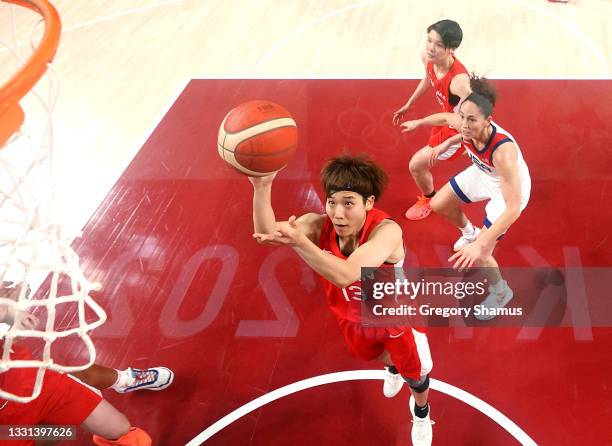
x=185 y=285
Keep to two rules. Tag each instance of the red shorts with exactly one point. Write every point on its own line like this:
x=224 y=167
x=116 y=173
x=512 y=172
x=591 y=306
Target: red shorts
x=408 y=348
x=440 y=134
x=62 y=400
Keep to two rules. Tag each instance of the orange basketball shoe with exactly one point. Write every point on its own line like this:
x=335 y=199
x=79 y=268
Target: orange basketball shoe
x=420 y=209
x=134 y=437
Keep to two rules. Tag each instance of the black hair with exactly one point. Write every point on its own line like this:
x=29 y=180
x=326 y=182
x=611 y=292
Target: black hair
x=449 y=31
x=357 y=173
x=484 y=95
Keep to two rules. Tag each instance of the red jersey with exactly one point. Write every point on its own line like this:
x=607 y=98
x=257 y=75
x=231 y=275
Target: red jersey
x=346 y=302
x=447 y=100
x=18 y=381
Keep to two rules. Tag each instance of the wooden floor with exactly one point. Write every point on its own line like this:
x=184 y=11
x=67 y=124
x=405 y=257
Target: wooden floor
x=123 y=62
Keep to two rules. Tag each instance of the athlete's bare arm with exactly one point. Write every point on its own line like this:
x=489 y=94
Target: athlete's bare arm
x=418 y=92
x=382 y=243
x=9 y=312
x=264 y=220
x=437 y=119
x=460 y=86
x=443 y=147
x=505 y=161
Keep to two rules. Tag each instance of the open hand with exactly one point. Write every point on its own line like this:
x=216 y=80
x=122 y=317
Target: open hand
x=409 y=126
x=286 y=233
x=399 y=114
x=466 y=256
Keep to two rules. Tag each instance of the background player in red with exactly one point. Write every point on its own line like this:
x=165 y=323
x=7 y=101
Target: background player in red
x=65 y=401
x=351 y=235
x=450 y=80
x=498 y=174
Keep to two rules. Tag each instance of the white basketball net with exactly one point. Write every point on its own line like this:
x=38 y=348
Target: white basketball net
x=32 y=246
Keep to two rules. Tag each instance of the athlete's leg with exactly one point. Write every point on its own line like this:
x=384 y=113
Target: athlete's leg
x=500 y=292
x=420 y=165
x=106 y=421
x=420 y=168
x=98 y=376
x=490 y=268
x=386 y=358
x=110 y=427
x=447 y=204
x=420 y=391
x=128 y=380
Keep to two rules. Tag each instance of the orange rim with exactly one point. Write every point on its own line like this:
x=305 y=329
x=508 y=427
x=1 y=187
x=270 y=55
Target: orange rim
x=29 y=74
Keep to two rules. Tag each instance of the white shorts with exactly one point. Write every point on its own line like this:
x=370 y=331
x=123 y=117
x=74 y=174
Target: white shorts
x=450 y=152
x=473 y=185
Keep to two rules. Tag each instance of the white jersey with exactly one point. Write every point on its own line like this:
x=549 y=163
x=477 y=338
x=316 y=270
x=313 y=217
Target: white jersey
x=483 y=158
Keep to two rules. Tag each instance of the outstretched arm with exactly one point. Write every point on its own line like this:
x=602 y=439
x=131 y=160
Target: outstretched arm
x=383 y=241
x=418 y=92
x=264 y=220
x=437 y=119
x=443 y=148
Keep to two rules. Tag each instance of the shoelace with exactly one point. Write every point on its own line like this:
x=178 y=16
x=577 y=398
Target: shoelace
x=422 y=421
x=422 y=199
x=144 y=377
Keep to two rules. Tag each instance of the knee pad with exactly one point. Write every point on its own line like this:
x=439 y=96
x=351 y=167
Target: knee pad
x=419 y=386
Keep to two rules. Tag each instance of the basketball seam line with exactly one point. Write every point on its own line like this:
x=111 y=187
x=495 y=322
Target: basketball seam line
x=258 y=154
x=251 y=137
x=258 y=123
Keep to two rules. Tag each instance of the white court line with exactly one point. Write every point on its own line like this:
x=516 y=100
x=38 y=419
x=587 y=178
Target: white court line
x=103 y=19
x=305 y=28
x=571 y=27
x=574 y=29
x=353 y=375
x=120 y=14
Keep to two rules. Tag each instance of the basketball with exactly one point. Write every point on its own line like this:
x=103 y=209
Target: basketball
x=257 y=138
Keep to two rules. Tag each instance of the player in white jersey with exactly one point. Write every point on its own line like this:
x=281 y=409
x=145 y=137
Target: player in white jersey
x=498 y=174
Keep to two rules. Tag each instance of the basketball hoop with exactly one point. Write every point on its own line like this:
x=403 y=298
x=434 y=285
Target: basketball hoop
x=11 y=92
x=33 y=248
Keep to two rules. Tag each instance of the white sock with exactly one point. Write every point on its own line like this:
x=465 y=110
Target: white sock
x=468 y=229
x=499 y=286
x=124 y=378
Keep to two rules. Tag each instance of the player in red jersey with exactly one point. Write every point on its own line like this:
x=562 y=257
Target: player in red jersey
x=351 y=235
x=451 y=83
x=65 y=401
x=498 y=174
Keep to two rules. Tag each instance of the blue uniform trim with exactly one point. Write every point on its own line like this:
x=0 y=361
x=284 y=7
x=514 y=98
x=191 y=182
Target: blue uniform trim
x=458 y=190
x=488 y=224
x=486 y=146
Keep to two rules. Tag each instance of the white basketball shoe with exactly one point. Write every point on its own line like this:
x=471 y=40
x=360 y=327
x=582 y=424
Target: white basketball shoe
x=422 y=432
x=155 y=378
x=393 y=383
x=466 y=239
x=494 y=300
